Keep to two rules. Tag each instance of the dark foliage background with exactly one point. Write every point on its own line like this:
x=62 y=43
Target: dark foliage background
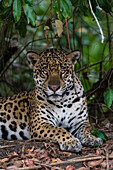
x=31 y=25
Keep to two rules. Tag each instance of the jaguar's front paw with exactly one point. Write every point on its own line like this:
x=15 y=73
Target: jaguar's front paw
x=98 y=141
x=71 y=145
x=91 y=141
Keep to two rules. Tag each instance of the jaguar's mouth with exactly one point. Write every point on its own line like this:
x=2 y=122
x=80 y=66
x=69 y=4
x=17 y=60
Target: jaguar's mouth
x=55 y=95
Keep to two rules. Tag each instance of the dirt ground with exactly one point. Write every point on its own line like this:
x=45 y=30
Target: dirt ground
x=28 y=155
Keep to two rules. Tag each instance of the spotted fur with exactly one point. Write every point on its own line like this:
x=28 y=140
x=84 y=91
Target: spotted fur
x=55 y=110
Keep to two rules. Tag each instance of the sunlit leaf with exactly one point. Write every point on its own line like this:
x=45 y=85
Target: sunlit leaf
x=58 y=10
x=59 y=26
x=17 y=10
x=108 y=98
x=29 y=12
x=63 y=9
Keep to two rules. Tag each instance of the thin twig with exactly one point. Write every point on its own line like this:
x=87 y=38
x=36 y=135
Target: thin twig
x=68 y=35
x=36 y=167
x=107 y=159
x=6 y=68
x=97 y=22
x=73 y=160
x=7 y=146
x=86 y=67
x=73 y=76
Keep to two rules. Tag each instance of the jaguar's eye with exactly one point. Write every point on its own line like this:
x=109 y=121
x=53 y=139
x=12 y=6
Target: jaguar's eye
x=64 y=72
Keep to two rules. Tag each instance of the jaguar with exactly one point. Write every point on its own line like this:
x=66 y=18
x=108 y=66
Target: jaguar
x=55 y=110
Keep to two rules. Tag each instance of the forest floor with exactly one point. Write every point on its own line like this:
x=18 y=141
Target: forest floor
x=28 y=155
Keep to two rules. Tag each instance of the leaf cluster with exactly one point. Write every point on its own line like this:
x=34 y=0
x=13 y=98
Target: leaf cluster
x=24 y=12
x=20 y=12
x=108 y=98
x=18 y=8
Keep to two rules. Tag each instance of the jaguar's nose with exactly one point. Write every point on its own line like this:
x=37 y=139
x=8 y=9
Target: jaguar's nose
x=54 y=88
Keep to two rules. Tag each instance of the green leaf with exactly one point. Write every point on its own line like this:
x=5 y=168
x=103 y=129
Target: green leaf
x=21 y=27
x=30 y=14
x=94 y=5
x=1 y=21
x=102 y=135
x=108 y=98
x=99 y=134
x=17 y=10
x=58 y=10
x=3 y=11
x=94 y=131
x=106 y=5
x=63 y=9
x=6 y=3
x=83 y=7
x=30 y=2
x=66 y=8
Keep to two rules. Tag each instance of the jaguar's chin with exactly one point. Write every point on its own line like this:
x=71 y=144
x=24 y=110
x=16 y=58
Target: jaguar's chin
x=55 y=97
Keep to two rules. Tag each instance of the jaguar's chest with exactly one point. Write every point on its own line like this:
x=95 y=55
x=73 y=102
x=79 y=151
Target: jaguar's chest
x=66 y=112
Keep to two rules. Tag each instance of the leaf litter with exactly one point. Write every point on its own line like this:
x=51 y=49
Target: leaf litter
x=37 y=155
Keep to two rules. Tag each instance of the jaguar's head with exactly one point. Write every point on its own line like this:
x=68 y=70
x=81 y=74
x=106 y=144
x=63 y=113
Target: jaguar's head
x=52 y=71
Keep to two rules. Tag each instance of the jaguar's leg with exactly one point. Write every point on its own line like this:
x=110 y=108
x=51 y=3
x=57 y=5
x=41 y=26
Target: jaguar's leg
x=83 y=133
x=48 y=132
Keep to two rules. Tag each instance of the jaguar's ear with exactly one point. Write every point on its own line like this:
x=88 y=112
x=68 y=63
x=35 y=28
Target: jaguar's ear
x=32 y=58
x=74 y=56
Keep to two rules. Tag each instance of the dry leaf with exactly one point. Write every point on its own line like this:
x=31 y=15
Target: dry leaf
x=105 y=122
x=12 y=167
x=46 y=29
x=95 y=163
x=107 y=125
x=18 y=163
x=99 y=151
x=109 y=141
x=29 y=162
x=104 y=163
x=111 y=153
x=54 y=160
x=67 y=153
x=30 y=155
x=12 y=154
x=30 y=150
x=69 y=167
x=83 y=168
x=4 y=160
x=59 y=26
